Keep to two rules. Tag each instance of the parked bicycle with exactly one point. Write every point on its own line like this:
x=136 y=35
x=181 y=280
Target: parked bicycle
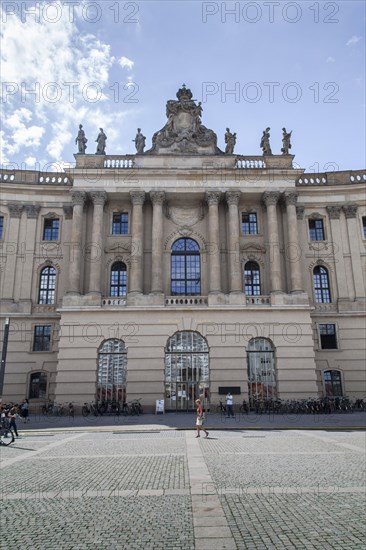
x=221 y=408
x=6 y=434
x=53 y=409
x=90 y=408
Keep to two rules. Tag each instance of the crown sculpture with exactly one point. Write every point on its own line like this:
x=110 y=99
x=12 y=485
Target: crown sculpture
x=184 y=131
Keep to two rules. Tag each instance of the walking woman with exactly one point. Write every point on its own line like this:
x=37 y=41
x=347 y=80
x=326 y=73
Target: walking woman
x=12 y=416
x=200 y=419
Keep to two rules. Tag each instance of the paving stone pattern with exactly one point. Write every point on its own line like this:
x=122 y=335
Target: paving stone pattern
x=255 y=490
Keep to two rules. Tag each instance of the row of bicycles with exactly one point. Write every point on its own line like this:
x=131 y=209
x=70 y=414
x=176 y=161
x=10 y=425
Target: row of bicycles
x=321 y=405
x=125 y=408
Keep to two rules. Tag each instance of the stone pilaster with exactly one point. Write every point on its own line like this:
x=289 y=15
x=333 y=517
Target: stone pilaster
x=334 y=213
x=236 y=276
x=78 y=201
x=10 y=250
x=157 y=199
x=67 y=208
x=214 y=260
x=270 y=199
x=25 y=284
x=95 y=247
x=294 y=249
x=136 y=272
x=350 y=212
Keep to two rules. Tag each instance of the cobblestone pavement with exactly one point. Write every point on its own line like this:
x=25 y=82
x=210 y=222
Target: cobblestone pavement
x=151 y=489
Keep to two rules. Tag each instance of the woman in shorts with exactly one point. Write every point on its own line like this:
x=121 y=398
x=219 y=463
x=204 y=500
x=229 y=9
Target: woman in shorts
x=200 y=419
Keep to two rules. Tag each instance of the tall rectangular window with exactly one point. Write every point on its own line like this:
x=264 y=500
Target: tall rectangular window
x=42 y=338
x=316 y=230
x=50 y=229
x=328 y=336
x=120 y=224
x=249 y=224
x=1 y=226
x=364 y=226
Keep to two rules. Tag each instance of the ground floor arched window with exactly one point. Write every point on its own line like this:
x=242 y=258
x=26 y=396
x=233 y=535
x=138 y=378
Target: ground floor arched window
x=186 y=371
x=38 y=385
x=261 y=370
x=332 y=383
x=112 y=371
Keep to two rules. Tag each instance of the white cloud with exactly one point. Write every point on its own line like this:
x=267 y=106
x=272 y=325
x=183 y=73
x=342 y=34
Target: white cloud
x=353 y=40
x=53 y=57
x=125 y=62
x=30 y=161
x=330 y=59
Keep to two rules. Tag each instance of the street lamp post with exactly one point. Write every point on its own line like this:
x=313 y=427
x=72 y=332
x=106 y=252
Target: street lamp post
x=3 y=354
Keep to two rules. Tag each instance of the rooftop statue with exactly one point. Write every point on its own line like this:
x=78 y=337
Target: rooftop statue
x=101 y=142
x=230 y=140
x=81 y=140
x=265 y=146
x=139 y=142
x=184 y=132
x=286 y=142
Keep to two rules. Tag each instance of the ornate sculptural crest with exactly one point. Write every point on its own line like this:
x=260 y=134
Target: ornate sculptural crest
x=184 y=131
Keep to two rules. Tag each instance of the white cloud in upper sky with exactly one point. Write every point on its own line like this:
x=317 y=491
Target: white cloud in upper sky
x=353 y=40
x=125 y=62
x=69 y=72
x=330 y=59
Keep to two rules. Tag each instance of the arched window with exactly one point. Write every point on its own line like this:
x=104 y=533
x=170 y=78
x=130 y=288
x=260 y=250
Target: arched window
x=112 y=371
x=186 y=370
x=321 y=285
x=47 y=286
x=118 y=279
x=38 y=385
x=332 y=383
x=252 y=280
x=261 y=370
x=185 y=268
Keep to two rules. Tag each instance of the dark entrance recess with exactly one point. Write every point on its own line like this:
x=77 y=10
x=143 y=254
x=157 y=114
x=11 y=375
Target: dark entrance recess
x=234 y=390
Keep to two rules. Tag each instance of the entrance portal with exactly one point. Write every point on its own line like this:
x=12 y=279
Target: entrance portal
x=261 y=370
x=186 y=371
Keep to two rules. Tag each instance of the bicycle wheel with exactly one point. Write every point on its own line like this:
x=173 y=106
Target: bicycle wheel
x=85 y=411
x=125 y=410
x=6 y=437
x=44 y=410
x=102 y=408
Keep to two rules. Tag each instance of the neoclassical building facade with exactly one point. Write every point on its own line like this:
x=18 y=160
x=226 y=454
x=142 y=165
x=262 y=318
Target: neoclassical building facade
x=183 y=271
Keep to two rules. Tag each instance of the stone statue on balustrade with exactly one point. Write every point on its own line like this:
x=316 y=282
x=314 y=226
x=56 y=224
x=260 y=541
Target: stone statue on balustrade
x=101 y=142
x=264 y=145
x=230 y=140
x=286 y=142
x=81 y=140
x=139 y=140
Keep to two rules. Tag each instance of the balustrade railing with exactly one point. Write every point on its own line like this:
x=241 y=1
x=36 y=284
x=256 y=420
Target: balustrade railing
x=257 y=300
x=114 y=301
x=32 y=177
x=119 y=162
x=333 y=178
x=250 y=163
x=186 y=301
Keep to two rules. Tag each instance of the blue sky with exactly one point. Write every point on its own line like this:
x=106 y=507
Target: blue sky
x=115 y=64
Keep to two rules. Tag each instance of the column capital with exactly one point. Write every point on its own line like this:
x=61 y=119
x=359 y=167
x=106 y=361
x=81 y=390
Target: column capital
x=15 y=210
x=98 y=197
x=137 y=197
x=32 y=210
x=213 y=197
x=67 y=208
x=78 y=197
x=232 y=197
x=157 y=197
x=290 y=198
x=334 y=211
x=271 y=197
x=350 y=210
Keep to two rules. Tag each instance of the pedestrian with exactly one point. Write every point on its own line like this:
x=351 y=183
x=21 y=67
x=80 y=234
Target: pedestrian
x=200 y=419
x=12 y=416
x=24 y=408
x=229 y=405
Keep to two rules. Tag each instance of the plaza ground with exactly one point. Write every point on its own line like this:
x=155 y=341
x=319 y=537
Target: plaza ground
x=115 y=483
